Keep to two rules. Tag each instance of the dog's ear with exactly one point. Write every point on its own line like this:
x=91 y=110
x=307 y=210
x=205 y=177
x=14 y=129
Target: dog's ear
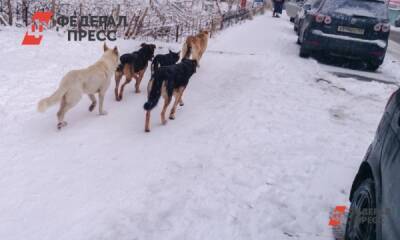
x=105 y=47
x=171 y=52
x=115 y=50
x=143 y=44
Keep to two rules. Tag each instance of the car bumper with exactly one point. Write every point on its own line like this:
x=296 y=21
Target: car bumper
x=346 y=46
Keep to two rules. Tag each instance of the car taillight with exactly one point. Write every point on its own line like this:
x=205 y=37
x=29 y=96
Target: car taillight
x=319 y=18
x=385 y=27
x=377 y=27
x=328 y=20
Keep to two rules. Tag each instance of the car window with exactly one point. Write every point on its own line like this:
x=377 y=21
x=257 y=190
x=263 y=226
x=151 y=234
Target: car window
x=363 y=8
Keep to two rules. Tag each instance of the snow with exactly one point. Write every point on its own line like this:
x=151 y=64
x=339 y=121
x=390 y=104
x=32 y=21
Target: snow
x=357 y=12
x=266 y=145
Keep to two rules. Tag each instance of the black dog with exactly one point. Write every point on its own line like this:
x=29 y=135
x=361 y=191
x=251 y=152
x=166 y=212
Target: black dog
x=133 y=65
x=168 y=81
x=162 y=61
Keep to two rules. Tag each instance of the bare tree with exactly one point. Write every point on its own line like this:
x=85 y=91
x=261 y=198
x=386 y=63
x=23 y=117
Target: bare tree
x=10 y=13
x=25 y=8
x=53 y=10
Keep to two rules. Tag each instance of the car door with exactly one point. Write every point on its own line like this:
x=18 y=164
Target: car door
x=390 y=172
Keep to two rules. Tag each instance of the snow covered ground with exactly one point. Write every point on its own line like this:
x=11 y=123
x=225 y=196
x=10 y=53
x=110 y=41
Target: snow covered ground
x=266 y=145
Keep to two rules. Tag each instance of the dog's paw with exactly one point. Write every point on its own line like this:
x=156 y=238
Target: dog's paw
x=103 y=113
x=172 y=117
x=164 y=122
x=119 y=98
x=60 y=125
x=147 y=130
x=137 y=91
x=91 y=107
x=181 y=104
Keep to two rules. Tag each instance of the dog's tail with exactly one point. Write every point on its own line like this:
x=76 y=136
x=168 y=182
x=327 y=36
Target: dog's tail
x=155 y=92
x=50 y=101
x=186 y=49
x=155 y=65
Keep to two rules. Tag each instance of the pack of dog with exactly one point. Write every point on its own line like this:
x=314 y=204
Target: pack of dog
x=168 y=78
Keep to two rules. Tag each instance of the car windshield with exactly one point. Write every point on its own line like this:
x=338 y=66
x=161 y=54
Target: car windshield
x=363 y=8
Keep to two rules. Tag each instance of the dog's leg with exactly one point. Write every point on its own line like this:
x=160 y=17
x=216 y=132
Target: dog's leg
x=167 y=101
x=178 y=97
x=94 y=102
x=118 y=77
x=68 y=101
x=101 y=102
x=61 y=114
x=139 y=80
x=181 y=103
x=128 y=79
x=147 y=122
x=121 y=93
x=196 y=56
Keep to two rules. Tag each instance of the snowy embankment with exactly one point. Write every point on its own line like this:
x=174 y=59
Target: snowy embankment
x=265 y=146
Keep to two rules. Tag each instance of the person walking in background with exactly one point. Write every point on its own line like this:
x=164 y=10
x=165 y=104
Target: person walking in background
x=278 y=6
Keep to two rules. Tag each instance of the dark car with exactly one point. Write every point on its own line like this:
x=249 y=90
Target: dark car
x=306 y=7
x=375 y=193
x=397 y=22
x=356 y=29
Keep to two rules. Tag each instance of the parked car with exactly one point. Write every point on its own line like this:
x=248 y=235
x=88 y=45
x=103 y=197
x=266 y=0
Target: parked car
x=292 y=8
x=397 y=22
x=375 y=193
x=306 y=8
x=356 y=29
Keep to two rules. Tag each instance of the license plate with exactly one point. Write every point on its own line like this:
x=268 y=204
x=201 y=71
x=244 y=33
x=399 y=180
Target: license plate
x=358 y=31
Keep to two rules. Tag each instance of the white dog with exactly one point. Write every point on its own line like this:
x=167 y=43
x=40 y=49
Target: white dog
x=94 y=79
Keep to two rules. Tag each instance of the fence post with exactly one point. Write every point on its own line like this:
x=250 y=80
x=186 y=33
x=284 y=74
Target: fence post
x=212 y=27
x=177 y=33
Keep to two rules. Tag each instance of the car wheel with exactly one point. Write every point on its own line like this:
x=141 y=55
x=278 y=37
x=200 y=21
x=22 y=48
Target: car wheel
x=359 y=225
x=304 y=53
x=373 y=66
x=298 y=41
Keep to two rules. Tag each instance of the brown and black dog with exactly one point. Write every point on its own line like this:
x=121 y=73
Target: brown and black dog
x=168 y=81
x=195 y=46
x=133 y=65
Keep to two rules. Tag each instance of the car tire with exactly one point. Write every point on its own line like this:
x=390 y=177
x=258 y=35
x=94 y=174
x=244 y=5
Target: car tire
x=364 y=198
x=373 y=66
x=304 y=53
